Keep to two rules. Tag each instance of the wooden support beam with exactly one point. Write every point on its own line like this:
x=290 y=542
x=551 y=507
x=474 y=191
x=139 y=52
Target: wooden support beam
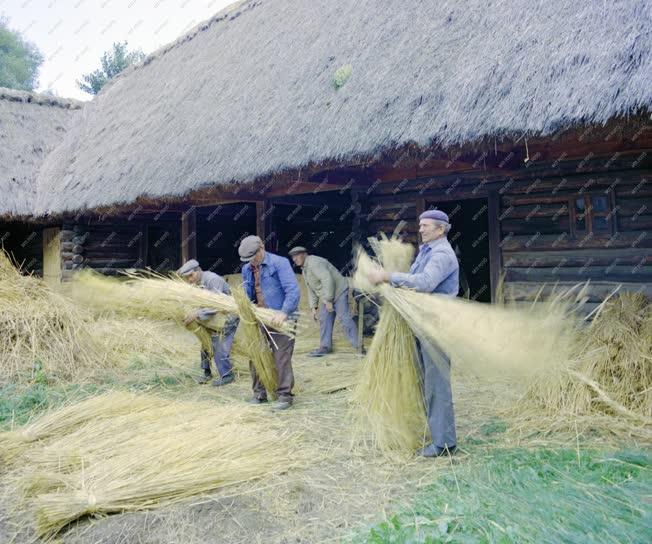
x=188 y=235
x=261 y=215
x=494 y=242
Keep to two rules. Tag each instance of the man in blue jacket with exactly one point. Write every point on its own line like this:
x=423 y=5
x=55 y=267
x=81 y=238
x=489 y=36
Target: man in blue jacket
x=435 y=270
x=269 y=282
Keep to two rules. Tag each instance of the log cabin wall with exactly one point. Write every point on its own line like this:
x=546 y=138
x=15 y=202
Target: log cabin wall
x=550 y=229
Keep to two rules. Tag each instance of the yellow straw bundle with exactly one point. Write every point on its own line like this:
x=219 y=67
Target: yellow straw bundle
x=256 y=344
x=158 y=455
x=389 y=397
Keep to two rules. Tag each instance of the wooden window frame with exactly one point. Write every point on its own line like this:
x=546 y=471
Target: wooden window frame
x=589 y=214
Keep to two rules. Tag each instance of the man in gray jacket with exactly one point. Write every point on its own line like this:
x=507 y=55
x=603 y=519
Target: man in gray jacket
x=435 y=270
x=328 y=296
x=221 y=343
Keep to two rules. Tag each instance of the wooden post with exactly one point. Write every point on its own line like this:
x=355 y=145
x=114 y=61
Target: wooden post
x=188 y=235
x=52 y=255
x=495 y=253
x=261 y=208
x=144 y=245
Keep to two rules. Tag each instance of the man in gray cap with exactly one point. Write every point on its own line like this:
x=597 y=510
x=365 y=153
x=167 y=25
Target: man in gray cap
x=220 y=343
x=269 y=282
x=328 y=294
x=435 y=270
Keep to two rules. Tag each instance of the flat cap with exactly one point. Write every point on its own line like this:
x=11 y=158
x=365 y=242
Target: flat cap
x=296 y=250
x=188 y=267
x=434 y=214
x=248 y=248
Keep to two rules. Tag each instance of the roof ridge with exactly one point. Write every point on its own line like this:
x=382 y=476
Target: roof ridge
x=42 y=99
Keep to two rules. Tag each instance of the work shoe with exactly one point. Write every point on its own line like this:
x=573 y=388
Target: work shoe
x=361 y=353
x=256 y=400
x=281 y=405
x=435 y=451
x=201 y=380
x=229 y=378
x=320 y=352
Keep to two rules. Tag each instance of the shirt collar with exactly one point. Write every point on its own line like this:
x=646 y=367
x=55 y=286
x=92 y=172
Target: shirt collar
x=267 y=260
x=433 y=244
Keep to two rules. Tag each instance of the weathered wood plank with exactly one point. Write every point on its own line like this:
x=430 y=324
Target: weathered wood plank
x=577 y=257
x=547 y=242
x=635 y=274
x=594 y=291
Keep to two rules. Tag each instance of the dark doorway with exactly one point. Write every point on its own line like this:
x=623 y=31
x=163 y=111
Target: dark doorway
x=469 y=236
x=219 y=231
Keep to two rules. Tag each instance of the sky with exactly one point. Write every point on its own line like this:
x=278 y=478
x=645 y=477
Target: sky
x=73 y=34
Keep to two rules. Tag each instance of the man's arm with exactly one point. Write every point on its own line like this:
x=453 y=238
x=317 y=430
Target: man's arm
x=327 y=291
x=313 y=298
x=439 y=266
x=289 y=284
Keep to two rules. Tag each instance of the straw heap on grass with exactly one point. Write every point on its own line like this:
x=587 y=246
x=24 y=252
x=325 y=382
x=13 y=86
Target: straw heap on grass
x=389 y=397
x=40 y=330
x=141 y=460
x=608 y=376
x=260 y=353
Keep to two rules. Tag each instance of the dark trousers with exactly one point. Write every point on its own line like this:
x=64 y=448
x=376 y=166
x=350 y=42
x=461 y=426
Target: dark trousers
x=435 y=366
x=282 y=353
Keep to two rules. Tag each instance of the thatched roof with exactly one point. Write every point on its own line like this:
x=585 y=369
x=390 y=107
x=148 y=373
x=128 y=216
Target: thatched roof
x=31 y=125
x=251 y=91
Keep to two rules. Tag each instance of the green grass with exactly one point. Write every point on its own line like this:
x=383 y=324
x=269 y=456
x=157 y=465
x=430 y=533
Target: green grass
x=523 y=496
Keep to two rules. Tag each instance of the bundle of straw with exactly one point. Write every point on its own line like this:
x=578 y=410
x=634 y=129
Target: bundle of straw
x=40 y=330
x=389 y=396
x=487 y=340
x=63 y=420
x=260 y=353
x=152 y=458
x=157 y=297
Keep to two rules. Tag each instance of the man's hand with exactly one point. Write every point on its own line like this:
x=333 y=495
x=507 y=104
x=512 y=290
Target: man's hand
x=329 y=307
x=314 y=314
x=192 y=316
x=279 y=319
x=378 y=276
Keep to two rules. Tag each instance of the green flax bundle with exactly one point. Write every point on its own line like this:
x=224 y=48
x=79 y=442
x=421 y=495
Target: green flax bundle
x=389 y=396
x=255 y=343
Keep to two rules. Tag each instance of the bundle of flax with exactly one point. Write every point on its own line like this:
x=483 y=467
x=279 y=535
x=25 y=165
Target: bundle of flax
x=607 y=382
x=151 y=458
x=40 y=330
x=255 y=343
x=63 y=420
x=388 y=399
x=492 y=341
x=157 y=297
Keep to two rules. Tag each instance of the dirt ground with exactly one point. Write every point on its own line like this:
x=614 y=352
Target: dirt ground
x=342 y=491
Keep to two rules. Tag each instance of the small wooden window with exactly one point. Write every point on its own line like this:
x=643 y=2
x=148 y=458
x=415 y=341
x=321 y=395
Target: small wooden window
x=591 y=214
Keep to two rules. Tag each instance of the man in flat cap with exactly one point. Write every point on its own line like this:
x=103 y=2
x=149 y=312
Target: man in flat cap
x=221 y=341
x=435 y=270
x=269 y=282
x=328 y=294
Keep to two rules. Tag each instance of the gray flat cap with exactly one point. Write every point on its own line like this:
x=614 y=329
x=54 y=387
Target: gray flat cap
x=248 y=248
x=188 y=267
x=296 y=250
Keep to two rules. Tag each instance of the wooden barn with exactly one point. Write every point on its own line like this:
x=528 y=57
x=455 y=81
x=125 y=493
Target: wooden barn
x=534 y=136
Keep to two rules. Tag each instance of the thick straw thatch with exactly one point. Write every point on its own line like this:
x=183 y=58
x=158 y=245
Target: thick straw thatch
x=31 y=125
x=260 y=88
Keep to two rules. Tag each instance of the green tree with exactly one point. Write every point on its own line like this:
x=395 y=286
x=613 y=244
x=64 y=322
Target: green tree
x=19 y=59
x=113 y=62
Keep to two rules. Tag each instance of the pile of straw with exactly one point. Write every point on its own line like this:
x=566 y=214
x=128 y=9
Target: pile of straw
x=388 y=400
x=256 y=345
x=609 y=371
x=142 y=459
x=40 y=330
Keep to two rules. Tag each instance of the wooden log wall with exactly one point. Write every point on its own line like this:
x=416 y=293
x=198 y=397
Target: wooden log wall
x=541 y=238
